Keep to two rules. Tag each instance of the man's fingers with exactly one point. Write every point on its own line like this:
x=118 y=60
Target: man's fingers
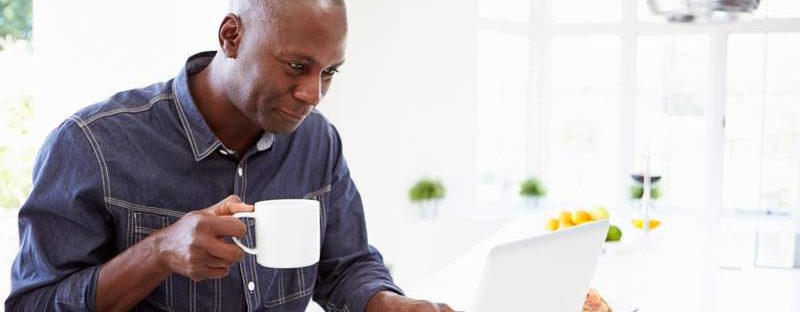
x=217 y=263
x=232 y=205
x=226 y=251
x=227 y=226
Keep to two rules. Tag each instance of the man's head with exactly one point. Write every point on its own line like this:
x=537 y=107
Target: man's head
x=280 y=56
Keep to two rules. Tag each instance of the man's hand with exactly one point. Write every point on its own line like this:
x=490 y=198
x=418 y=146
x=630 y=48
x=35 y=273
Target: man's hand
x=387 y=301
x=194 y=246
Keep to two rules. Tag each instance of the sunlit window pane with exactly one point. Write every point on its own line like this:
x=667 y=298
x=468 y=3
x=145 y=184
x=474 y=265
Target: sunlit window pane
x=582 y=11
x=582 y=125
x=510 y=10
x=644 y=13
x=781 y=8
x=502 y=107
x=762 y=135
x=670 y=126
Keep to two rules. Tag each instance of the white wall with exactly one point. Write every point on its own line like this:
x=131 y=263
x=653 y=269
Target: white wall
x=404 y=104
x=88 y=50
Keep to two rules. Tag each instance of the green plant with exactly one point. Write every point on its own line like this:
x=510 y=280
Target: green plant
x=532 y=187
x=16 y=151
x=16 y=19
x=426 y=189
x=638 y=190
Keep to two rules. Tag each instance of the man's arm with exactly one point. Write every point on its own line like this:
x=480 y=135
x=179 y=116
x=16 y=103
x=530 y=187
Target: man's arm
x=64 y=228
x=65 y=234
x=352 y=275
x=192 y=247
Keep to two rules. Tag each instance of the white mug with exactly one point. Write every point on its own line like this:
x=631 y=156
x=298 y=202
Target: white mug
x=287 y=233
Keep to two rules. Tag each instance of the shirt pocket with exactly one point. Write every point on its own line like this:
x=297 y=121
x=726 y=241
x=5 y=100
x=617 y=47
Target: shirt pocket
x=288 y=287
x=176 y=292
x=291 y=289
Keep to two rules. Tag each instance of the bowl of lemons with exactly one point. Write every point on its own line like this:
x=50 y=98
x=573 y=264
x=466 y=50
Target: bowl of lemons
x=568 y=219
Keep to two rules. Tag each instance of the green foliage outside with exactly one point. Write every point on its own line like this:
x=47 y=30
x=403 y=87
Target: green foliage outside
x=426 y=189
x=17 y=145
x=637 y=191
x=16 y=151
x=16 y=19
x=532 y=187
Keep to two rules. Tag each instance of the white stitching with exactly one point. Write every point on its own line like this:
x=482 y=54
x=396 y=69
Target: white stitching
x=184 y=120
x=142 y=208
x=244 y=196
x=137 y=109
x=98 y=154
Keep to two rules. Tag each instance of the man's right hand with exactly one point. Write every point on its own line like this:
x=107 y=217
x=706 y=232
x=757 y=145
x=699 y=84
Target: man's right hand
x=195 y=245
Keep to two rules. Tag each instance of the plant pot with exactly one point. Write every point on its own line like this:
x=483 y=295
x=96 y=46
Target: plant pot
x=428 y=209
x=533 y=202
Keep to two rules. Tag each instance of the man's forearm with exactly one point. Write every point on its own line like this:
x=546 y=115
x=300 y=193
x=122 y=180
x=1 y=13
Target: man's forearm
x=129 y=277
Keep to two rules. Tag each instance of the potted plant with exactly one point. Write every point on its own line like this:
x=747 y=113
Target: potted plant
x=637 y=191
x=532 y=190
x=426 y=194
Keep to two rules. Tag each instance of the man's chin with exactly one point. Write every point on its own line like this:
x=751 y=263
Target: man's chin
x=285 y=128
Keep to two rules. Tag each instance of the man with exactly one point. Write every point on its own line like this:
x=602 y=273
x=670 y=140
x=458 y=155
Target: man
x=115 y=220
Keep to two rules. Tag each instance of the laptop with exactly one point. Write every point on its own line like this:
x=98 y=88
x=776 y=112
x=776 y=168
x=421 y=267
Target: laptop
x=549 y=273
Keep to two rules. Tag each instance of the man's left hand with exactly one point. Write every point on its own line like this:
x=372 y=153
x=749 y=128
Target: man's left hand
x=387 y=301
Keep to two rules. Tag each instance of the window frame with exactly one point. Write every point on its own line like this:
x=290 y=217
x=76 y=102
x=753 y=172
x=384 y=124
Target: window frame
x=540 y=30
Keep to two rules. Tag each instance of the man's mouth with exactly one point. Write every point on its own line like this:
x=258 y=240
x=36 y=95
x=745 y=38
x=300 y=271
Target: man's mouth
x=290 y=115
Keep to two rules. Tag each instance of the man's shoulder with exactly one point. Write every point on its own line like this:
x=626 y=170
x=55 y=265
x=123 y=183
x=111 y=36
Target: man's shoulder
x=128 y=101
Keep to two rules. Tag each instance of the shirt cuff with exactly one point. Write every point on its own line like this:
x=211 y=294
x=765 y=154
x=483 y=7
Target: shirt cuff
x=361 y=296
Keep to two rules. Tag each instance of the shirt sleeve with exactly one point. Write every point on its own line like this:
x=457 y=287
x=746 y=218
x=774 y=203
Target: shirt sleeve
x=63 y=226
x=350 y=270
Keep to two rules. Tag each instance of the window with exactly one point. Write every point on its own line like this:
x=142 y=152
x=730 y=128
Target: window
x=671 y=83
x=583 y=119
x=502 y=105
x=762 y=143
x=582 y=11
x=16 y=102
x=509 y=10
x=609 y=82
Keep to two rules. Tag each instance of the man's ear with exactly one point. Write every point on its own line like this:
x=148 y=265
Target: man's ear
x=230 y=35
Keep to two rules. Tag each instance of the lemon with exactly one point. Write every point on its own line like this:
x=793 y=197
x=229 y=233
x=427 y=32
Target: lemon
x=581 y=216
x=565 y=216
x=614 y=234
x=552 y=225
x=639 y=223
x=599 y=213
x=563 y=224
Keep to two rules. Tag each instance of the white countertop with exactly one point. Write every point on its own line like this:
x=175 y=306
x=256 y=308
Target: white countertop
x=676 y=267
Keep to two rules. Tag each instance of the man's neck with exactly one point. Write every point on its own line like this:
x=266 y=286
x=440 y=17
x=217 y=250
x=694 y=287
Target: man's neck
x=226 y=121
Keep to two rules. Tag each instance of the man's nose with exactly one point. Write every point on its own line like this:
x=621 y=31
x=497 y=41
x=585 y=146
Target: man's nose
x=309 y=91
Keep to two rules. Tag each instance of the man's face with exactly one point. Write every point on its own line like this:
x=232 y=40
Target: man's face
x=284 y=69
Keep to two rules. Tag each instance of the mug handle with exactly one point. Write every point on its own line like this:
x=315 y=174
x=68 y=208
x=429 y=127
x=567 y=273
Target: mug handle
x=246 y=249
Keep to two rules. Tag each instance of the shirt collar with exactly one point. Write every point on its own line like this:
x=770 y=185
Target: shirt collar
x=202 y=139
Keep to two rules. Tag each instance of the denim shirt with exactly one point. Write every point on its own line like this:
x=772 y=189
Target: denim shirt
x=117 y=171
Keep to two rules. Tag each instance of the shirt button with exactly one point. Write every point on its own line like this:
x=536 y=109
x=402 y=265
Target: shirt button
x=240 y=171
x=251 y=286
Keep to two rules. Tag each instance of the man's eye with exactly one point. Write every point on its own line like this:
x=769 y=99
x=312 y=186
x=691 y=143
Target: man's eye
x=331 y=71
x=297 y=66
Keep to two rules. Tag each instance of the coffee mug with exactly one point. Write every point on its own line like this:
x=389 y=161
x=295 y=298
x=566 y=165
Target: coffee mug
x=287 y=233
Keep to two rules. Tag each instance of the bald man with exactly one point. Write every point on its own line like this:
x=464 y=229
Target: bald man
x=132 y=199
